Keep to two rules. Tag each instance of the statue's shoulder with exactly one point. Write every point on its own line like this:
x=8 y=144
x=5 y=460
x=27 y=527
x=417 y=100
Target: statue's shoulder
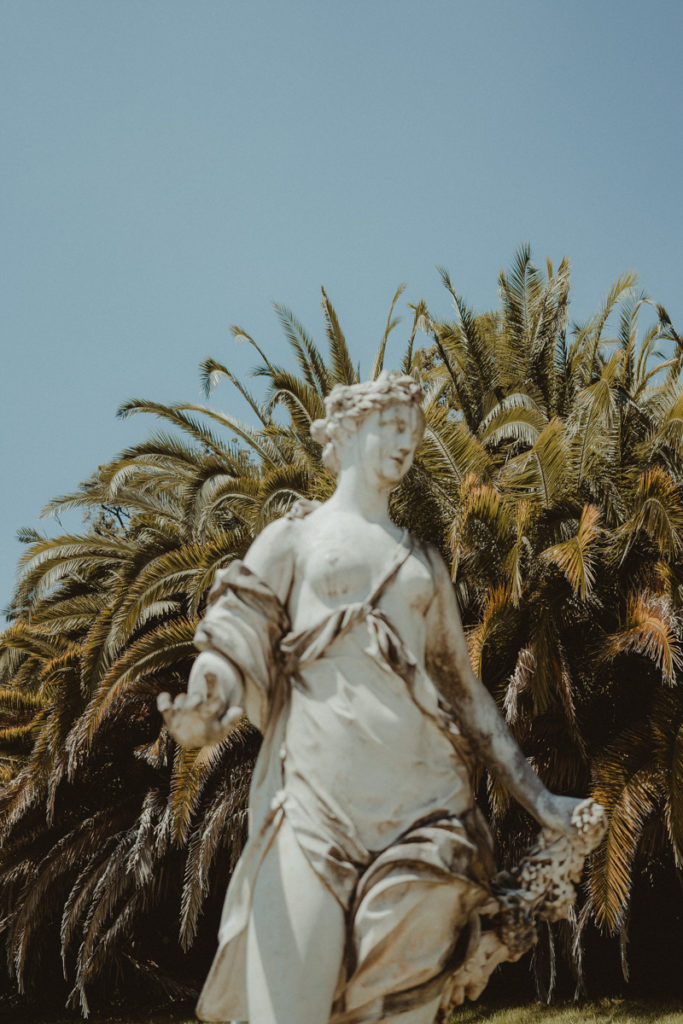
x=283 y=533
x=433 y=560
x=274 y=551
x=301 y=508
x=278 y=536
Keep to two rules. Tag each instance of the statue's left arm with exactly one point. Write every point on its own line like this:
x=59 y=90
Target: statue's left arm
x=449 y=665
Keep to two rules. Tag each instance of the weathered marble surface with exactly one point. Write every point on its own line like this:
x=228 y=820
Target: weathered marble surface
x=367 y=890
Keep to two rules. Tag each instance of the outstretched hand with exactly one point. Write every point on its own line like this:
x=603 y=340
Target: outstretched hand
x=206 y=713
x=196 y=722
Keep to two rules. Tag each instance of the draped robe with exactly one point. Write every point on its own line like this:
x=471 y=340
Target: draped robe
x=365 y=761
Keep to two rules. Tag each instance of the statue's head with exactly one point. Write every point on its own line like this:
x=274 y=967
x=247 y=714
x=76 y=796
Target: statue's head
x=349 y=407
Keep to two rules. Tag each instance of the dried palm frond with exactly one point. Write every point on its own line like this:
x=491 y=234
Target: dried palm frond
x=576 y=557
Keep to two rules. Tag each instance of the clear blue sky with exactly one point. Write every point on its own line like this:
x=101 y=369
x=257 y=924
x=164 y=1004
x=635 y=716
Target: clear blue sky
x=169 y=168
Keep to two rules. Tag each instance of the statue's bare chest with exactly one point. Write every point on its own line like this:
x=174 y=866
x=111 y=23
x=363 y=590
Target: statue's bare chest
x=347 y=565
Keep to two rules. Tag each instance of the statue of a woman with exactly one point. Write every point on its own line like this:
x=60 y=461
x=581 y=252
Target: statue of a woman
x=363 y=890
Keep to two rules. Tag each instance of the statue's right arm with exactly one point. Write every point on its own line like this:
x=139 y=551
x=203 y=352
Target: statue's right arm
x=214 y=698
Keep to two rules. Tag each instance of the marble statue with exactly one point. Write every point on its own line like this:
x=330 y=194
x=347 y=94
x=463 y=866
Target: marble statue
x=367 y=890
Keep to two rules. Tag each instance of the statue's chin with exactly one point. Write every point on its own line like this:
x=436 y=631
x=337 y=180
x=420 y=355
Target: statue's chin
x=390 y=475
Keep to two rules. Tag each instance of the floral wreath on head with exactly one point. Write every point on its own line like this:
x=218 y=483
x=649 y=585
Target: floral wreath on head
x=347 y=405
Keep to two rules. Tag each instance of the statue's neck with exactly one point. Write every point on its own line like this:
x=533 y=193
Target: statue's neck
x=356 y=494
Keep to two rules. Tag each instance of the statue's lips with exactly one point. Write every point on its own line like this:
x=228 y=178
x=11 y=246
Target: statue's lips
x=398 y=463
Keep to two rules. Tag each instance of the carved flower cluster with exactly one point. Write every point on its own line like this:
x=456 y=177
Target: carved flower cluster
x=347 y=405
x=544 y=879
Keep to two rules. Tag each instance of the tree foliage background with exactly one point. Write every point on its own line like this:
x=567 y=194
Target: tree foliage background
x=550 y=477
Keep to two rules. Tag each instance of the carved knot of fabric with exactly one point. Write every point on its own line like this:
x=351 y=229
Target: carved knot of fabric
x=298 y=649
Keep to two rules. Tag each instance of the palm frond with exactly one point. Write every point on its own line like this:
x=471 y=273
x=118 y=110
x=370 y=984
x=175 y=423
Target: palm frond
x=169 y=644
x=343 y=371
x=308 y=357
x=211 y=371
x=450 y=449
x=539 y=474
x=649 y=629
x=576 y=557
x=495 y=622
x=657 y=510
x=302 y=402
x=378 y=364
x=241 y=335
x=627 y=786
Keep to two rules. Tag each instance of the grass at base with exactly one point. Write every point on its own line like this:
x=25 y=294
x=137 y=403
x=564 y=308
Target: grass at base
x=36 y=1017
x=605 y=1011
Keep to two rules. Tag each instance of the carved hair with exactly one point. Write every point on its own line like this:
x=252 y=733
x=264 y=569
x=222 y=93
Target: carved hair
x=348 y=405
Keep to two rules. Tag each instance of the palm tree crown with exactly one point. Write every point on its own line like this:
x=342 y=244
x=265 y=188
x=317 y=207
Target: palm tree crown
x=550 y=479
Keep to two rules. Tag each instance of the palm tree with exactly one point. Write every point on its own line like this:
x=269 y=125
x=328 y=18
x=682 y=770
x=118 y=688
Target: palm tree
x=107 y=826
x=549 y=477
x=565 y=544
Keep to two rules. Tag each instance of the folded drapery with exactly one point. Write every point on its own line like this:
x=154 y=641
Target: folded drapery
x=427 y=915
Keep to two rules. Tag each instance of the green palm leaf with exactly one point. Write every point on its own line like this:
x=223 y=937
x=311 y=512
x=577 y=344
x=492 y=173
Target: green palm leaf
x=540 y=473
x=392 y=322
x=308 y=357
x=628 y=786
x=576 y=557
x=164 y=647
x=649 y=629
x=343 y=371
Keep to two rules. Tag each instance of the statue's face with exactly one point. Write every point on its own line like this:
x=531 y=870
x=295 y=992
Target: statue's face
x=387 y=440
